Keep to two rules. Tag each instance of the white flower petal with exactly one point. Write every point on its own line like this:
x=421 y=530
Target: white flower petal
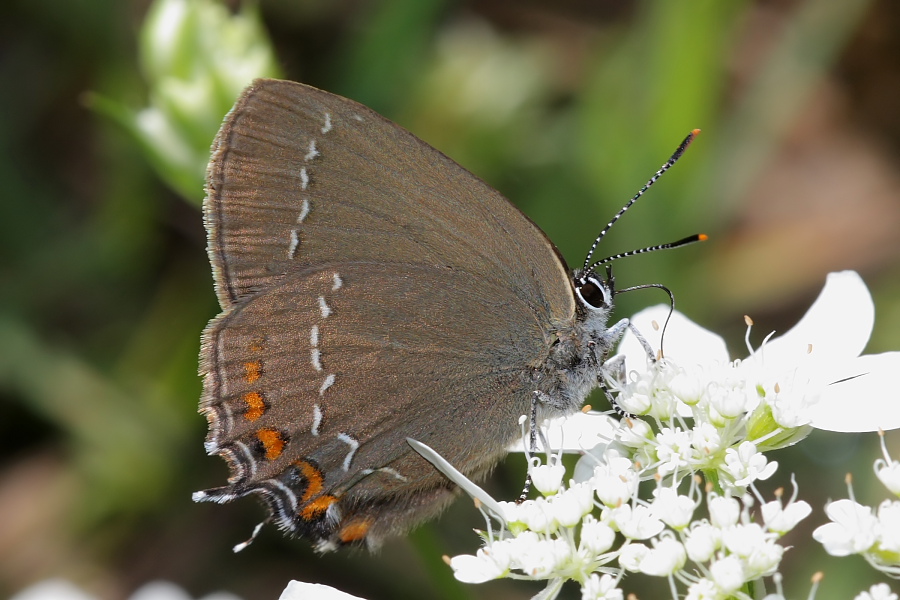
x=704 y=589
x=663 y=559
x=601 y=588
x=541 y=558
x=537 y=516
x=596 y=537
x=547 y=479
x=636 y=522
x=702 y=541
x=489 y=562
x=686 y=342
x=630 y=556
x=853 y=529
x=889 y=527
x=837 y=325
x=572 y=504
x=743 y=539
x=672 y=509
x=615 y=482
x=299 y=590
x=764 y=561
x=782 y=519
x=473 y=569
x=728 y=574
x=879 y=591
x=865 y=401
x=575 y=433
x=889 y=474
x=723 y=511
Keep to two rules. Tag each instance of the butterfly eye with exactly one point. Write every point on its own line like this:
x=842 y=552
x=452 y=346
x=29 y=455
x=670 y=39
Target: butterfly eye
x=593 y=293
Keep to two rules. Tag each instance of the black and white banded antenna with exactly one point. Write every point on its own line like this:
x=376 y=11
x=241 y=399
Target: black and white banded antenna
x=665 y=325
x=697 y=237
x=668 y=165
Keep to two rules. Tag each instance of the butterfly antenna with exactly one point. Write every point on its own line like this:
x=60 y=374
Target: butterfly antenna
x=668 y=165
x=697 y=237
x=665 y=326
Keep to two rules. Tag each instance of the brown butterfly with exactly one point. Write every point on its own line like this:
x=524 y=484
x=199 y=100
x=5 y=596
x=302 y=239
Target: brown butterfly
x=374 y=290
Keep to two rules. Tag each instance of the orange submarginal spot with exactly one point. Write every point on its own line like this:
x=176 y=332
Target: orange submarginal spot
x=272 y=441
x=316 y=509
x=252 y=371
x=314 y=479
x=355 y=530
x=256 y=406
x=256 y=345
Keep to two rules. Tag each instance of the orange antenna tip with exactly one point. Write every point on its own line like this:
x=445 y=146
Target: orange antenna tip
x=702 y=237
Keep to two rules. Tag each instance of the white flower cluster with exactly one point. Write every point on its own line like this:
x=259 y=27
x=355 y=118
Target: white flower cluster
x=859 y=529
x=697 y=413
x=556 y=537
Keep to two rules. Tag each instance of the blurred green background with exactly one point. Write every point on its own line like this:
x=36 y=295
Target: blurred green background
x=567 y=107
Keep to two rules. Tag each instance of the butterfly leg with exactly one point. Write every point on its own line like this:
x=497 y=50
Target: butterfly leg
x=614 y=369
x=651 y=354
x=536 y=397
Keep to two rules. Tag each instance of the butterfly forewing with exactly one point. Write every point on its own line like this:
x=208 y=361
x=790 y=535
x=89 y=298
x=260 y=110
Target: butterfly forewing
x=300 y=177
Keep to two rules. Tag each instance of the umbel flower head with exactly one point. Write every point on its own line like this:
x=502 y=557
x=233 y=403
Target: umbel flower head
x=599 y=530
x=815 y=374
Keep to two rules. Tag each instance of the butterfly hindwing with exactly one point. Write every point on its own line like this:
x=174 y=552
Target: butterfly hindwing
x=313 y=386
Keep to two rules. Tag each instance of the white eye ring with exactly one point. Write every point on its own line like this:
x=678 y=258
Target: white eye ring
x=604 y=290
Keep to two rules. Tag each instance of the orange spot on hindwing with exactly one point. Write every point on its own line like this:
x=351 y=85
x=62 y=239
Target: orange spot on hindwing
x=273 y=442
x=355 y=530
x=314 y=502
x=313 y=477
x=256 y=406
x=252 y=371
x=316 y=509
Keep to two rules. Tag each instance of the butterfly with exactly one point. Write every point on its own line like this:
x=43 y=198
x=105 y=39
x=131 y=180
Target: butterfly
x=372 y=290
